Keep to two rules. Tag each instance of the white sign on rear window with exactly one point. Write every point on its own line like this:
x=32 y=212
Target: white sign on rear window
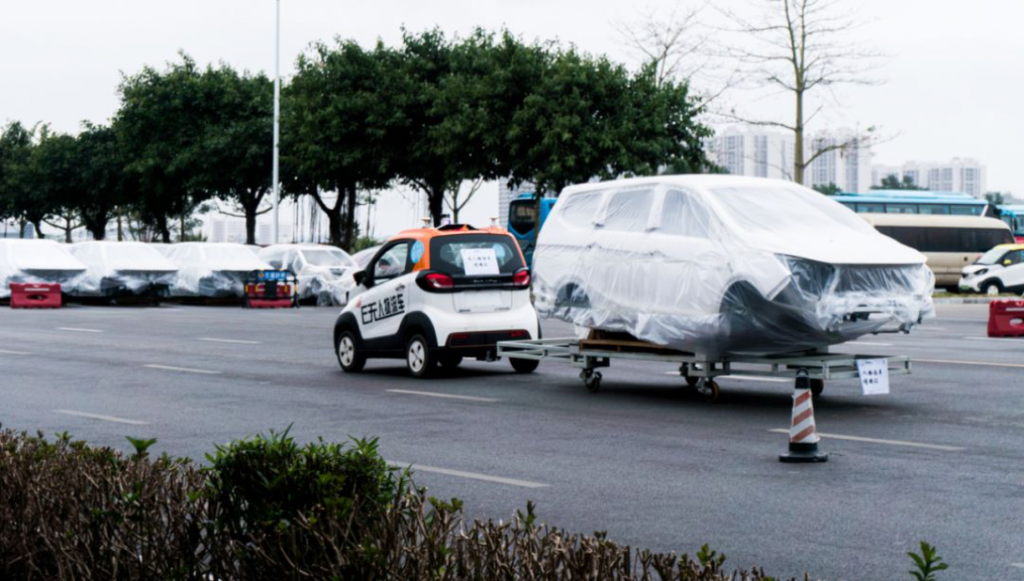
x=874 y=376
x=480 y=261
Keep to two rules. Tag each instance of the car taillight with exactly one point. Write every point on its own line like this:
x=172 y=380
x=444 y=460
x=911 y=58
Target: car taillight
x=521 y=278
x=519 y=334
x=438 y=281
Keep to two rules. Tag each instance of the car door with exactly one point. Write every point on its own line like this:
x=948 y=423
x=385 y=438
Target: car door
x=385 y=300
x=1013 y=273
x=621 y=270
x=694 y=268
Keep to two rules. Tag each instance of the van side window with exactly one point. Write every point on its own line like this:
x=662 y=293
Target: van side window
x=681 y=215
x=629 y=210
x=580 y=209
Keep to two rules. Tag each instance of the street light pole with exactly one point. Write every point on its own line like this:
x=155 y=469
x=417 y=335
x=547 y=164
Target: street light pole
x=277 y=125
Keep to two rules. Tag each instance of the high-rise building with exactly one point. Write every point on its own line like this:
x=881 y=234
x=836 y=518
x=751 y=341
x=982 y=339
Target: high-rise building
x=752 y=151
x=963 y=175
x=768 y=153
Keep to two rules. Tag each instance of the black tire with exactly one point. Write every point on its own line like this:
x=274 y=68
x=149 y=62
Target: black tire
x=349 y=357
x=419 y=359
x=524 y=365
x=992 y=288
x=817 y=386
x=449 y=362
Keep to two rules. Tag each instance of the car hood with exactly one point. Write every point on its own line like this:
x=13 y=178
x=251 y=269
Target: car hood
x=847 y=247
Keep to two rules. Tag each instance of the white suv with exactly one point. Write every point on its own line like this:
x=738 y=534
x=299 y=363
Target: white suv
x=722 y=264
x=998 y=270
x=432 y=296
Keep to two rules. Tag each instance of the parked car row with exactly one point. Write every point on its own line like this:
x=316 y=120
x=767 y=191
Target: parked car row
x=105 y=269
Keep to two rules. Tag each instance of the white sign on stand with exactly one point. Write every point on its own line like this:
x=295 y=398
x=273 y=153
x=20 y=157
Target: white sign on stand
x=874 y=376
x=476 y=261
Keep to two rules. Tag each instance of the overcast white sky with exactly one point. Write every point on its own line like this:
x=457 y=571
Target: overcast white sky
x=954 y=83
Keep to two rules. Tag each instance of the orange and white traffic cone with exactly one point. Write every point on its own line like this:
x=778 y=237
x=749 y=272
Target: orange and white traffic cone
x=803 y=436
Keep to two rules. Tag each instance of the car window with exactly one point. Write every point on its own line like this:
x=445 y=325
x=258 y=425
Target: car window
x=1015 y=257
x=394 y=262
x=446 y=252
x=629 y=210
x=580 y=209
x=682 y=215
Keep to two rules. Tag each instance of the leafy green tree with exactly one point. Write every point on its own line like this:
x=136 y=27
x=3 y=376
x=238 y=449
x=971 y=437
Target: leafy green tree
x=829 y=189
x=55 y=168
x=19 y=199
x=891 y=182
x=338 y=132
x=233 y=156
x=104 y=188
x=163 y=117
x=995 y=198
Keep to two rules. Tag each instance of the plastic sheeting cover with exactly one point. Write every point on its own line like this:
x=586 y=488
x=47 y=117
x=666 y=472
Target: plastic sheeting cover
x=723 y=264
x=322 y=270
x=29 y=260
x=122 y=268
x=212 y=269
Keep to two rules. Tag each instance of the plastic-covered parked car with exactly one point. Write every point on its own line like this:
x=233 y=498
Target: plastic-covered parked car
x=36 y=261
x=212 y=269
x=320 y=269
x=364 y=256
x=117 y=269
x=724 y=264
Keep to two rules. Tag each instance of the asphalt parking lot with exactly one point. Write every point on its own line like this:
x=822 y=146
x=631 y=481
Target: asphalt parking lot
x=939 y=459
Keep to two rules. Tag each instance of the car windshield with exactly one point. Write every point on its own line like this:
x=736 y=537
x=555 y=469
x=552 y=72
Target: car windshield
x=450 y=254
x=991 y=257
x=323 y=257
x=779 y=209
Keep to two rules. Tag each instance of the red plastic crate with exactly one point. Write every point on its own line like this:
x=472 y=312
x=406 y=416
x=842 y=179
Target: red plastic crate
x=35 y=295
x=1006 y=318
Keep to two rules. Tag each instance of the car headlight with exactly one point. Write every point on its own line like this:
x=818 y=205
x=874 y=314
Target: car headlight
x=809 y=276
x=978 y=272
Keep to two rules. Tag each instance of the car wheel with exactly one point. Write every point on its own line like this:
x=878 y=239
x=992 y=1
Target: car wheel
x=418 y=358
x=349 y=357
x=524 y=365
x=570 y=299
x=449 y=361
x=992 y=288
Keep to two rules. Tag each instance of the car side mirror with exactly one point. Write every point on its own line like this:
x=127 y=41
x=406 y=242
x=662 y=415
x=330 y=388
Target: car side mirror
x=361 y=278
x=1007 y=262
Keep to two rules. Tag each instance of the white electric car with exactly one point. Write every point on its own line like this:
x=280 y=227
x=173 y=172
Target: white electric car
x=998 y=270
x=723 y=264
x=433 y=296
x=324 y=272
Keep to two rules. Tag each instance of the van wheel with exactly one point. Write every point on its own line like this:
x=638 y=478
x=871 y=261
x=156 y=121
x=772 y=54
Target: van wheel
x=350 y=359
x=524 y=365
x=418 y=358
x=992 y=288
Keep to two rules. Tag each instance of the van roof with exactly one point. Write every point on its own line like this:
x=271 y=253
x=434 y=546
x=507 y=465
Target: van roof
x=702 y=181
x=934 y=220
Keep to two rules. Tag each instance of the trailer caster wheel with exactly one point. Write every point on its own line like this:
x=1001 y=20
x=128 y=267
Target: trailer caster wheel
x=817 y=386
x=692 y=381
x=591 y=379
x=708 y=389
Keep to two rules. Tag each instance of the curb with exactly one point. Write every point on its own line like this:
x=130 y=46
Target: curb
x=971 y=300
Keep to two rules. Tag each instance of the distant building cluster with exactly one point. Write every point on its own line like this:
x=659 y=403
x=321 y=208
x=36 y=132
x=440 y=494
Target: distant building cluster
x=759 y=152
x=957 y=175
x=755 y=151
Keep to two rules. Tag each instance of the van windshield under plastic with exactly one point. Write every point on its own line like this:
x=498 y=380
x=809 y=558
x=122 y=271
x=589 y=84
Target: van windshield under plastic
x=774 y=210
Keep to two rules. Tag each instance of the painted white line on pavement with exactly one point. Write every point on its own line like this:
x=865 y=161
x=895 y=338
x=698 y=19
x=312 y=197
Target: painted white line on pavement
x=444 y=395
x=1017 y=565
x=957 y=362
x=79 y=330
x=9 y=352
x=923 y=328
x=868 y=343
x=742 y=377
x=879 y=441
x=183 y=369
x=114 y=419
x=470 y=475
x=1003 y=339
x=240 y=341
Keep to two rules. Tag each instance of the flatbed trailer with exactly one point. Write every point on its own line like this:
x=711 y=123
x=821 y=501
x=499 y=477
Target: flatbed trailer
x=698 y=370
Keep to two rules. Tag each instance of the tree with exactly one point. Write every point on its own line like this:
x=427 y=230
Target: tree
x=339 y=129
x=16 y=184
x=104 y=188
x=56 y=181
x=798 y=47
x=995 y=198
x=163 y=116
x=233 y=155
x=830 y=189
x=891 y=182
x=456 y=202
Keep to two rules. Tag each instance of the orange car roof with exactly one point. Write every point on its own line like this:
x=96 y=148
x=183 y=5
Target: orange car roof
x=454 y=230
